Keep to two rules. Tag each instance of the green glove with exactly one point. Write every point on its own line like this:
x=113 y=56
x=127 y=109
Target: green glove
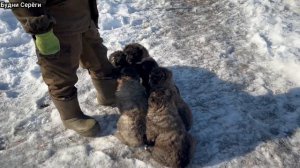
x=47 y=43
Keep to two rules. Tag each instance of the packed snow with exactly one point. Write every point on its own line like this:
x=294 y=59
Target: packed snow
x=236 y=63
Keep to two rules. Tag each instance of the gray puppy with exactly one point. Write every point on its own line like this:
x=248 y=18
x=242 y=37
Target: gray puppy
x=132 y=104
x=162 y=77
x=173 y=146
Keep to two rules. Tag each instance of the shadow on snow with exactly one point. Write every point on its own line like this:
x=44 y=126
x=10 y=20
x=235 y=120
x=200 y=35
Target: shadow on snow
x=229 y=122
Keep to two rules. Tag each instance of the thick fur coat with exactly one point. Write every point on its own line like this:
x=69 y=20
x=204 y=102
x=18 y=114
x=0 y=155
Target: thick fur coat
x=132 y=104
x=162 y=77
x=173 y=146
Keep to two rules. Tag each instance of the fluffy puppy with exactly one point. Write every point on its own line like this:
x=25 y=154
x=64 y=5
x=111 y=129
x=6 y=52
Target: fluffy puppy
x=138 y=57
x=144 y=68
x=118 y=59
x=135 y=53
x=173 y=146
x=132 y=104
x=162 y=77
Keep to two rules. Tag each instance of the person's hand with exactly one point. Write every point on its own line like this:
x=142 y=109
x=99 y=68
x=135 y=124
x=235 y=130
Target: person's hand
x=47 y=43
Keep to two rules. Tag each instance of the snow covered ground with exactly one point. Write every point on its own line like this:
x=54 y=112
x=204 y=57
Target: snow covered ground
x=236 y=63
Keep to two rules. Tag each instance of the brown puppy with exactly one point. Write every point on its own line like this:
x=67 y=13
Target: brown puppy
x=135 y=53
x=162 y=77
x=138 y=57
x=118 y=59
x=132 y=104
x=144 y=68
x=173 y=146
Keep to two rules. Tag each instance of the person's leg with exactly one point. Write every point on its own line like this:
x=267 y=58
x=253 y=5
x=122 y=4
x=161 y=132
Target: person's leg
x=94 y=58
x=59 y=73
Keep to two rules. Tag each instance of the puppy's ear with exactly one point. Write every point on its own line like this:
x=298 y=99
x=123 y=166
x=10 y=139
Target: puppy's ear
x=165 y=73
x=147 y=65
